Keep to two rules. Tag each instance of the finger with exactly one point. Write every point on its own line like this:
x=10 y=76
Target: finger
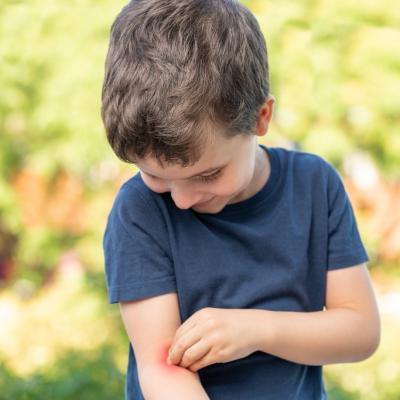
x=184 y=343
x=189 y=323
x=184 y=328
x=203 y=362
x=194 y=353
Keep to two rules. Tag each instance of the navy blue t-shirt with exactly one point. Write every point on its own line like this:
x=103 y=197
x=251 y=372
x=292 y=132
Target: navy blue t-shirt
x=271 y=251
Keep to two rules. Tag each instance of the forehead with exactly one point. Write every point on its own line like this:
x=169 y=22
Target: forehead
x=217 y=153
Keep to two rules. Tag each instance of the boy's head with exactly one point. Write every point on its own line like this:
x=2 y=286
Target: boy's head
x=182 y=76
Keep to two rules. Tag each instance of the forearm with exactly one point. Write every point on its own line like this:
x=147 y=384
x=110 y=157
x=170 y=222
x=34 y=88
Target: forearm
x=171 y=382
x=314 y=338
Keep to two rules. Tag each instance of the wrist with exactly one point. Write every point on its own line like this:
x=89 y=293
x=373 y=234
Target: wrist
x=261 y=329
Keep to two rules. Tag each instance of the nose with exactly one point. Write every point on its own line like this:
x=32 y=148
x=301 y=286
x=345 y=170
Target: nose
x=183 y=199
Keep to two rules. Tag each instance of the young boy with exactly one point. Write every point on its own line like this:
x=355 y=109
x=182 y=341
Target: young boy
x=239 y=269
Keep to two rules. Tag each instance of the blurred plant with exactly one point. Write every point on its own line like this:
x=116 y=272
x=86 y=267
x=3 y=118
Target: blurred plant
x=52 y=146
x=83 y=376
x=335 y=74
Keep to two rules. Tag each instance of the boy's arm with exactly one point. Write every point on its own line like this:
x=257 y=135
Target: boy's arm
x=151 y=324
x=347 y=331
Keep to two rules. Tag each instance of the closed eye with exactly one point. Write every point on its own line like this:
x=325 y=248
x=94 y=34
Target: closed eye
x=208 y=178
x=202 y=178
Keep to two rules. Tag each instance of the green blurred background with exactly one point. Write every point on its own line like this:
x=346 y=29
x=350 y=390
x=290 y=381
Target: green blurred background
x=335 y=68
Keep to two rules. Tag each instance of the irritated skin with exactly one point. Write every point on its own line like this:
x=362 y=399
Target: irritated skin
x=163 y=381
x=162 y=361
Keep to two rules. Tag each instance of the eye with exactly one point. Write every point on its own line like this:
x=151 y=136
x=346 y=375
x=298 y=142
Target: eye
x=208 y=178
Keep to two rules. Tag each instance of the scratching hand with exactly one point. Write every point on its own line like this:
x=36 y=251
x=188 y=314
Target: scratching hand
x=209 y=336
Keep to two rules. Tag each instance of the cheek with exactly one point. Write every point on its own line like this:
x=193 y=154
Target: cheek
x=229 y=186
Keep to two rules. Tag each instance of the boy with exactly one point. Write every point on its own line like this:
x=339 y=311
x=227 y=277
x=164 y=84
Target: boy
x=238 y=268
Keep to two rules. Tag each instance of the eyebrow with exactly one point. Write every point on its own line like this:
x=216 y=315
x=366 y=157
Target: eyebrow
x=212 y=169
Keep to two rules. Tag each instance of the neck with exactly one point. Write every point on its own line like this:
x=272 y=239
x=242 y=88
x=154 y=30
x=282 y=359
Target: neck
x=262 y=168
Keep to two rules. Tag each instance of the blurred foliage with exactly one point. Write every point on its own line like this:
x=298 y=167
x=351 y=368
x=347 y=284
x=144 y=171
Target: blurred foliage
x=334 y=70
x=51 y=69
x=335 y=74
x=75 y=375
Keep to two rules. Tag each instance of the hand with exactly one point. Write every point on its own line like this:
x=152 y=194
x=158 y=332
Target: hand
x=209 y=336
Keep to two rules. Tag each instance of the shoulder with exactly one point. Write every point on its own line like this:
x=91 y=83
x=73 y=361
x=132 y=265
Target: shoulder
x=304 y=164
x=134 y=203
x=134 y=197
x=130 y=196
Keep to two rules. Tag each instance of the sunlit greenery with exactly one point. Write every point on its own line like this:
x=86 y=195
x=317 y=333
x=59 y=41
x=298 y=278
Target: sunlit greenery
x=334 y=69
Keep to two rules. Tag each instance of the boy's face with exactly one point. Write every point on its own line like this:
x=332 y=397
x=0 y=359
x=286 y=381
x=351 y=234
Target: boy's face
x=233 y=167
x=229 y=171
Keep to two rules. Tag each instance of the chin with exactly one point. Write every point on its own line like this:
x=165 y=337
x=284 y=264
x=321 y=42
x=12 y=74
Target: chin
x=209 y=209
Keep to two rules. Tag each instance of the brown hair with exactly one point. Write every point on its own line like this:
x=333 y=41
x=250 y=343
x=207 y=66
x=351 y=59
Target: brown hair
x=176 y=71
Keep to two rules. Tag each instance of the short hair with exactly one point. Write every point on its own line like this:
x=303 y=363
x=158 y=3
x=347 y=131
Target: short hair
x=176 y=72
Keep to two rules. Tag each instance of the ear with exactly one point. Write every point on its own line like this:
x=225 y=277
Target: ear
x=264 y=116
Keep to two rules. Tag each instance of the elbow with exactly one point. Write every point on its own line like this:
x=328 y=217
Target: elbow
x=369 y=351
x=366 y=338
x=373 y=340
x=374 y=344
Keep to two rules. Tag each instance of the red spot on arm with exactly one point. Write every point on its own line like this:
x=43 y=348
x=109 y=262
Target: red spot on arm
x=163 y=360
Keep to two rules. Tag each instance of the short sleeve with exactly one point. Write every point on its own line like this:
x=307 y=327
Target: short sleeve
x=345 y=247
x=136 y=266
